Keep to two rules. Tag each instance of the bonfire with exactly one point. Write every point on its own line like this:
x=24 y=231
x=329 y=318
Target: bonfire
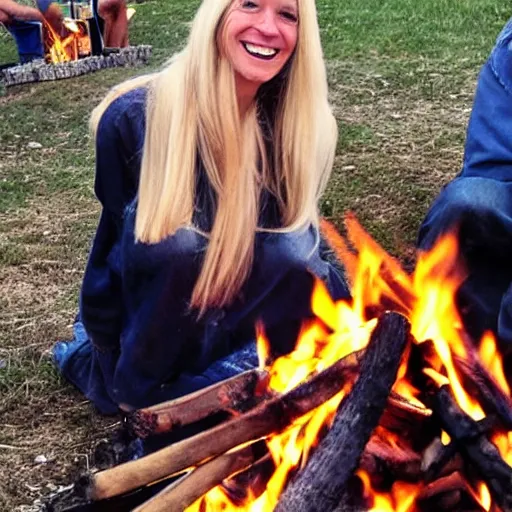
x=385 y=404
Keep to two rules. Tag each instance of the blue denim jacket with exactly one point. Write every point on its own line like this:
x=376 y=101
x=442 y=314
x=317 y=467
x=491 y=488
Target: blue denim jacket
x=479 y=201
x=488 y=150
x=141 y=343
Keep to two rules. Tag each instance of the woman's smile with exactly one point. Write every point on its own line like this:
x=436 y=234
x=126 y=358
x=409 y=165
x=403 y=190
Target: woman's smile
x=260 y=52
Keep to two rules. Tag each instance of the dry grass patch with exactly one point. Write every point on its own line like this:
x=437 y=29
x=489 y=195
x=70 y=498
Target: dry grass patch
x=399 y=145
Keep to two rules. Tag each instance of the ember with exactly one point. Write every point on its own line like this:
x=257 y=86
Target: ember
x=373 y=410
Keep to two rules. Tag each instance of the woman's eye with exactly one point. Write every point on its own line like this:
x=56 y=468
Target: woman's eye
x=289 y=16
x=247 y=4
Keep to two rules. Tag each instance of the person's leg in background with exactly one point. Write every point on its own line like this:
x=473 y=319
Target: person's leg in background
x=481 y=210
x=114 y=13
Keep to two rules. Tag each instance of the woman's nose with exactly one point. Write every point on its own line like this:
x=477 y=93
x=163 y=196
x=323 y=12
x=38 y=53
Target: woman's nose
x=267 y=23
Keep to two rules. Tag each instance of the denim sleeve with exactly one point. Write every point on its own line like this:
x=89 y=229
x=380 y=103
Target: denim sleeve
x=488 y=151
x=118 y=145
x=43 y=5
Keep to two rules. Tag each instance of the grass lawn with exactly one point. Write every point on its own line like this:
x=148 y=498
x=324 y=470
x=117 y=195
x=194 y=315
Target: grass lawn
x=402 y=76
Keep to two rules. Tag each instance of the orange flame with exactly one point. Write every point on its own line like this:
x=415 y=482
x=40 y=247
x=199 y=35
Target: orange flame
x=503 y=442
x=484 y=496
x=75 y=44
x=399 y=499
x=378 y=282
x=492 y=361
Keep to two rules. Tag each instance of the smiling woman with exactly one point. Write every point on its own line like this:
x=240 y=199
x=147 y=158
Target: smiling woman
x=253 y=32
x=209 y=173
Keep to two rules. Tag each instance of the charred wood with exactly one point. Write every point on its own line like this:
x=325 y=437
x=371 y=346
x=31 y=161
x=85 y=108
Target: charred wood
x=411 y=422
x=476 y=449
x=238 y=394
x=482 y=385
x=383 y=462
x=185 y=491
x=271 y=416
x=320 y=484
x=253 y=481
x=448 y=493
x=440 y=459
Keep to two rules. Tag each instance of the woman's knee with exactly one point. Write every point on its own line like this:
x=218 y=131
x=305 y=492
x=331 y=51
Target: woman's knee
x=474 y=196
x=468 y=201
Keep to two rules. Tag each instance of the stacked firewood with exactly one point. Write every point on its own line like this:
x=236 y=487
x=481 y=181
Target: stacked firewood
x=377 y=436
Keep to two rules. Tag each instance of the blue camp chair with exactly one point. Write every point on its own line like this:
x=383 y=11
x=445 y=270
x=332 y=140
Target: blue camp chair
x=28 y=38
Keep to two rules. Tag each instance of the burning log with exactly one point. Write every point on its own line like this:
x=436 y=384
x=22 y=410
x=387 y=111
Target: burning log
x=400 y=406
x=250 y=482
x=475 y=448
x=39 y=71
x=412 y=422
x=239 y=394
x=381 y=460
x=269 y=417
x=182 y=493
x=483 y=385
x=451 y=492
x=321 y=483
x=439 y=459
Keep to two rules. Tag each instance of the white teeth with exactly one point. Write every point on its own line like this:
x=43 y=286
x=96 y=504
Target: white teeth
x=260 y=50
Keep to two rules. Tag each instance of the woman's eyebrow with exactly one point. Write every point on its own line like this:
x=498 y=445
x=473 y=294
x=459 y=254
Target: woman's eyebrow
x=292 y=6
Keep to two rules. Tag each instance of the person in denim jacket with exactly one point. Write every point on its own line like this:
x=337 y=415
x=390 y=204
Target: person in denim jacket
x=209 y=174
x=479 y=202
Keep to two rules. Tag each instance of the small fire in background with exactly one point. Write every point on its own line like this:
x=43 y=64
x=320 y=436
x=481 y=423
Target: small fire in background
x=70 y=47
x=378 y=283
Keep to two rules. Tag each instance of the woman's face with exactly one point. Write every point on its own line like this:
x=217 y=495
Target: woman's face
x=259 y=38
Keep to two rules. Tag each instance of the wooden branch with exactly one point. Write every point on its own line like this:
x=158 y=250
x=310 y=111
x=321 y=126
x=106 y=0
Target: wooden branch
x=238 y=393
x=413 y=423
x=439 y=459
x=320 y=484
x=181 y=494
x=399 y=405
x=271 y=416
x=451 y=492
x=382 y=461
x=486 y=389
x=250 y=482
x=475 y=448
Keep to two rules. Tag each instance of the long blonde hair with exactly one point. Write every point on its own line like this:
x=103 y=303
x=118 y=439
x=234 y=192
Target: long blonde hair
x=192 y=113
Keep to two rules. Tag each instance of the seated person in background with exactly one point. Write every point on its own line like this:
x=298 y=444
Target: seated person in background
x=209 y=173
x=114 y=14
x=479 y=202
x=10 y=11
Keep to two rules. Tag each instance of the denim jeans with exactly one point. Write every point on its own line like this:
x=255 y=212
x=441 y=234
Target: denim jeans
x=482 y=210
